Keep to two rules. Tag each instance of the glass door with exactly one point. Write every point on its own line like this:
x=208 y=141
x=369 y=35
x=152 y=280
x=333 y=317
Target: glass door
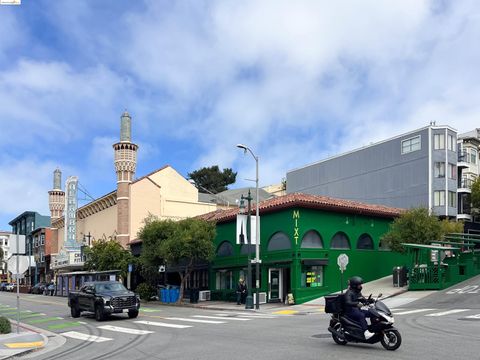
x=275 y=284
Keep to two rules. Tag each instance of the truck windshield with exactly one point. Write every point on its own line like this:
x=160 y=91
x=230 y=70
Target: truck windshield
x=109 y=287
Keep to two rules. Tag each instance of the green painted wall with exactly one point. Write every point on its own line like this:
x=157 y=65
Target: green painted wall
x=295 y=222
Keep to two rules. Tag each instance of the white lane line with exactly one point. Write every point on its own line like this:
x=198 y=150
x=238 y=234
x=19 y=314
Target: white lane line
x=220 y=318
x=454 y=311
x=85 y=337
x=195 y=320
x=259 y=316
x=82 y=322
x=156 y=323
x=125 y=330
x=412 y=311
x=473 y=317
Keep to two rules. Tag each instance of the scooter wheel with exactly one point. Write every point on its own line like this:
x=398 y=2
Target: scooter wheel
x=391 y=340
x=339 y=340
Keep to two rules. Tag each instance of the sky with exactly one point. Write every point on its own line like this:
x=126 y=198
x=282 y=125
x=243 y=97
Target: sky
x=296 y=81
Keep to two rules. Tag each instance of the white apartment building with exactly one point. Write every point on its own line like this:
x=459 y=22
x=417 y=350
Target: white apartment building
x=468 y=150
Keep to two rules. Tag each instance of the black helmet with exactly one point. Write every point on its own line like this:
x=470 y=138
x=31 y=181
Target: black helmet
x=355 y=281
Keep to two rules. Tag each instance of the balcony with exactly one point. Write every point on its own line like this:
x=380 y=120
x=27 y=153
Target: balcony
x=462 y=160
x=465 y=185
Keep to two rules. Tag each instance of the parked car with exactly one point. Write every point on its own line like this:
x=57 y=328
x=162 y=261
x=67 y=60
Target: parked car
x=3 y=286
x=10 y=287
x=38 y=288
x=103 y=298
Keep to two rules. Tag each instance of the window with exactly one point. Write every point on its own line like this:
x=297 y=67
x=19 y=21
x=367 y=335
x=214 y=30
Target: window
x=340 y=241
x=452 y=197
x=439 y=198
x=451 y=142
x=472 y=156
x=225 y=249
x=224 y=280
x=452 y=171
x=279 y=241
x=247 y=249
x=312 y=240
x=439 y=169
x=42 y=239
x=5 y=254
x=5 y=242
x=412 y=144
x=365 y=242
x=42 y=257
x=439 y=141
x=312 y=276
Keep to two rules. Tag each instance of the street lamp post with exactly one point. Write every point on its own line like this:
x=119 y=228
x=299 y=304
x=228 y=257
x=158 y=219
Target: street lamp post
x=257 y=229
x=249 y=299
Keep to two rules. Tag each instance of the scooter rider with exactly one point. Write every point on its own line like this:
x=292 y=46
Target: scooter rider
x=354 y=301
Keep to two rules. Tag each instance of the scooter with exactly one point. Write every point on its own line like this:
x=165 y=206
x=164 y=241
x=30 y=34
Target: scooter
x=346 y=330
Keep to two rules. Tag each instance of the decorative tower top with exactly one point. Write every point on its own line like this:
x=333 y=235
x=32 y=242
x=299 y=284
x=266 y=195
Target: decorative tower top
x=126 y=127
x=57 y=179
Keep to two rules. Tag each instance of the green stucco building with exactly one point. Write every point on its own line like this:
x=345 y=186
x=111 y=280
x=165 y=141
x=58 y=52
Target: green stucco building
x=301 y=237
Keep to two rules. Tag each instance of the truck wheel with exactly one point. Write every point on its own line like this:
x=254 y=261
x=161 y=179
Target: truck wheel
x=99 y=315
x=75 y=311
x=132 y=314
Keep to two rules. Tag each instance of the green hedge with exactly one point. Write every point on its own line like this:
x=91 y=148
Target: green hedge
x=5 y=327
x=145 y=291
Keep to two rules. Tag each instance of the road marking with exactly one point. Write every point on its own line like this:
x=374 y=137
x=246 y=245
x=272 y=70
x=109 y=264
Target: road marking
x=39 y=321
x=258 y=316
x=32 y=315
x=285 y=312
x=195 y=320
x=220 y=318
x=473 y=316
x=63 y=325
x=454 y=311
x=412 y=311
x=22 y=345
x=156 y=323
x=125 y=330
x=147 y=310
x=85 y=337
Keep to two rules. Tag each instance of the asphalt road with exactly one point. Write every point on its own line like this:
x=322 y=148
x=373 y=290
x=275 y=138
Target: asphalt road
x=443 y=325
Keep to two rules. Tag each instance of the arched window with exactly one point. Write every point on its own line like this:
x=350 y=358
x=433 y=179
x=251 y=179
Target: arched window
x=245 y=249
x=279 y=241
x=312 y=240
x=340 y=241
x=365 y=242
x=225 y=249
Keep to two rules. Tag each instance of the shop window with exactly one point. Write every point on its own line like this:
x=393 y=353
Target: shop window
x=225 y=249
x=340 y=241
x=312 y=240
x=365 y=242
x=312 y=276
x=223 y=280
x=279 y=241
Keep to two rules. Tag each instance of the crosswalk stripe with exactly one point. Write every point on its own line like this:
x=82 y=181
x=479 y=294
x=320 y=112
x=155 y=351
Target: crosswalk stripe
x=125 y=330
x=258 y=316
x=454 y=311
x=147 y=310
x=220 y=318
x=85 y=337
x=412 y=311
x=162 y=324
x=473 y=316
x=195 y=320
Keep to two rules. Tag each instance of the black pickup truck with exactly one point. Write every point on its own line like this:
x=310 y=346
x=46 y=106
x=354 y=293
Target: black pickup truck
x=103 y=298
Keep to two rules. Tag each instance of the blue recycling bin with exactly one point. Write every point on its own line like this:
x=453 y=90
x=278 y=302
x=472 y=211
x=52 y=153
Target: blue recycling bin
x=167 y=296
x=174 y=295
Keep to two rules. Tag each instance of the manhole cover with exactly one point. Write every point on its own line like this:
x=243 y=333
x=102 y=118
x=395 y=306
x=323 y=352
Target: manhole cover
x=321 y=336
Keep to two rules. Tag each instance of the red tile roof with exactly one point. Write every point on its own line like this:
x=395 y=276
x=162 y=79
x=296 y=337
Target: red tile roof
x=317 y=202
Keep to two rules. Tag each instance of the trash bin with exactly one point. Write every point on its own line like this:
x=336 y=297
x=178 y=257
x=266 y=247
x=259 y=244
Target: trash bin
x=396 y=276
x=173 y=295
x=404 y=276
x=194 y=295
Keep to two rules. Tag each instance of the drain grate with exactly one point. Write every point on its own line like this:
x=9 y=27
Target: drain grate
x=322 y=336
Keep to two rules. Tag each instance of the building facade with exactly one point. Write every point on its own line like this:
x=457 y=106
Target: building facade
x=5 y=246
x=468 y=163
x=301 y=237
x=42 y=244
x=415 y=169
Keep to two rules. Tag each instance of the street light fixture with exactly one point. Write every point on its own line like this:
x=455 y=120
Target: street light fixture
x=257 y=228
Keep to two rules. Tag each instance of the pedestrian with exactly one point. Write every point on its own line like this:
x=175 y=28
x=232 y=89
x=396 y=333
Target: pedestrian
x=241 y=291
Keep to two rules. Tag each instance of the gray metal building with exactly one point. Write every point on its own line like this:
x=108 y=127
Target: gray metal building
x=418 y=168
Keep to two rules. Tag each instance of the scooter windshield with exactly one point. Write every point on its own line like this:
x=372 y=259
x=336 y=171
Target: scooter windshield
x=382 y=307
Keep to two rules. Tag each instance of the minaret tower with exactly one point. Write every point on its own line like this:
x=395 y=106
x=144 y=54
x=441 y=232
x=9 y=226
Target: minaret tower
x=56 y=197
x=125 y=164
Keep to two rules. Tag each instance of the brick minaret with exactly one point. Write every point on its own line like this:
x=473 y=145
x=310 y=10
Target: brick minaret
x=56 y=197
x=125 y=164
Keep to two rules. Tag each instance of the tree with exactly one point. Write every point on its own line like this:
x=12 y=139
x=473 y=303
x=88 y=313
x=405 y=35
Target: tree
x=211 y=179
x=419 y=227
x=108 y=255
x=176 y=243
x=475 y=196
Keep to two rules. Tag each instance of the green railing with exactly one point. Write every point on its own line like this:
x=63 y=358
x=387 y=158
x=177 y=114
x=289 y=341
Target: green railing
x=426 y=278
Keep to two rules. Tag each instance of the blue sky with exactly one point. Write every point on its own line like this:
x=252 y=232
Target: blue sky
x=297 y=81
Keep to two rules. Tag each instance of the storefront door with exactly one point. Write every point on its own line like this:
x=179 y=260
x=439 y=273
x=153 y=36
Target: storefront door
x=275 y=285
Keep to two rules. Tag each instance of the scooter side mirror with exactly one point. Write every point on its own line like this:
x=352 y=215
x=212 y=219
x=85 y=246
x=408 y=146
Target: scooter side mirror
x=380 y=295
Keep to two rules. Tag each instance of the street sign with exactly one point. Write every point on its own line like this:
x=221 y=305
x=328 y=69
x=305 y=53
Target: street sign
x=342 y=262
x=161 y=268
x=130 y=268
